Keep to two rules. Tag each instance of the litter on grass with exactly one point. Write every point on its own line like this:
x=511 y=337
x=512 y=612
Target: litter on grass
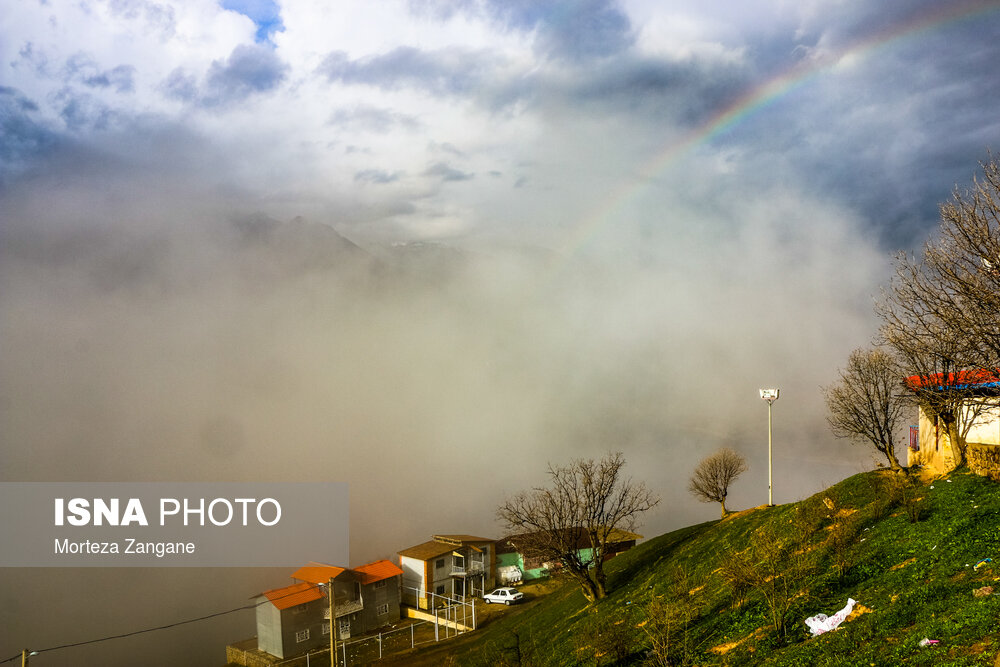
x=981 y=563
x=821 y=623
x=929 y=642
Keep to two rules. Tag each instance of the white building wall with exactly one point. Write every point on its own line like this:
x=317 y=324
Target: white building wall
x=986 y=429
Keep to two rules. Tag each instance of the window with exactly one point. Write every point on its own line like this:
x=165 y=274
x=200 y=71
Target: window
x=439 y=563
x=382 y=609
x=326 y=628
x=302 y=635
x=380 y=584
x=439 y=590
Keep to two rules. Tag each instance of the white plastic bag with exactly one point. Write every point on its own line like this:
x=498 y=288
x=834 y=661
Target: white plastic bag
x=821 y=623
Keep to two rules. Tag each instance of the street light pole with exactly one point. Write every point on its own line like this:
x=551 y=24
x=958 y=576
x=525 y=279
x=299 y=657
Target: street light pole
x=769 y=395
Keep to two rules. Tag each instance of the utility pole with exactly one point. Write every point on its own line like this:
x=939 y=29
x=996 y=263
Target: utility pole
x=333 y=627
x=25 y=654
x=769 y=395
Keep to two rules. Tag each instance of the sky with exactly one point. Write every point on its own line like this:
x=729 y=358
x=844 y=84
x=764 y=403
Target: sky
x=429 y=247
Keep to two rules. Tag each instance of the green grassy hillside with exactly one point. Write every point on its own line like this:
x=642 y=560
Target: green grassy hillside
x=737 y=591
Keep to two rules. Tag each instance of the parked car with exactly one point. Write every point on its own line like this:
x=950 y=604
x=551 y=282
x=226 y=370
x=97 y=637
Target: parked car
x=504 y=595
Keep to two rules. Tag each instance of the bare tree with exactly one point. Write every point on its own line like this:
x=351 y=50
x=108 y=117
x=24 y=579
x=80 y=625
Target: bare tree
x=711 y=479
x=867 y=403
x=940 y=310
x=775 y=568
x=585 y=509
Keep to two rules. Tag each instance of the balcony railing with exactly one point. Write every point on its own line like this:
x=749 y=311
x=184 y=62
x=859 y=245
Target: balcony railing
x=345 y=607
x=471 y=568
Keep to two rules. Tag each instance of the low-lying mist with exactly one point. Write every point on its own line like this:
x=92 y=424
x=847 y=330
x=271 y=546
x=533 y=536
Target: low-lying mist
x=153 y=334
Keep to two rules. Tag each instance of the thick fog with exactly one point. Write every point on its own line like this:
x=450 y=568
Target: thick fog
x=429 y=248
x=154 y=340
x=174 y=339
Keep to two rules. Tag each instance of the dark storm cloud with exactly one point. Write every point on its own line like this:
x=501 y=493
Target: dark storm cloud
x=447 y=173
x=451 y=71
x=889 y=132
x=564 y=29
x=120 y=78
x=250 y=69
x=82 y=111
x=377 y=176
x=83 y=68
x=570 y=29
x=80 y=68
x=447 y=147
x=181 y=85
x=22 y=134
x=30 y=56
x=685 y=92
x=648 y=87
x=372 y=119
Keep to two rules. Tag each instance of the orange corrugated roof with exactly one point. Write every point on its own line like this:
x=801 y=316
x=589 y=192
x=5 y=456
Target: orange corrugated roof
x=317 y=573
x=293 y=595
x=961 y=380
x=377 y=571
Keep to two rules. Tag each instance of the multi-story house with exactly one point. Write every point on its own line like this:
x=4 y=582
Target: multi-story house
x=295 y=619
x=447 y=566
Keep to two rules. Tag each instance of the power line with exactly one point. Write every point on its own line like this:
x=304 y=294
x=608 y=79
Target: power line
x=160 y=627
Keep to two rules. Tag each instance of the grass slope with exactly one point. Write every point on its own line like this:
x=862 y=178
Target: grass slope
x=912 y=579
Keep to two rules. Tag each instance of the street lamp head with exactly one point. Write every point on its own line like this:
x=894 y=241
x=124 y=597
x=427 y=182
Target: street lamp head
x=769 y=395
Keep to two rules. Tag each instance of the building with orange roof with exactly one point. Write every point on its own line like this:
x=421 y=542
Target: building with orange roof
x=447 y=566
x=290 y=620
x=294 y=620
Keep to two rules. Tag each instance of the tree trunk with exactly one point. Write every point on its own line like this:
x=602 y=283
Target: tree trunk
x=724 y=510
x=591 y=589
x=957 y=443
x=890 y=453
x=600 y=579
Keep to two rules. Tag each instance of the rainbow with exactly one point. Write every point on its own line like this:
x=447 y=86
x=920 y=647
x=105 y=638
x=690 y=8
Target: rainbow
x=758 y=98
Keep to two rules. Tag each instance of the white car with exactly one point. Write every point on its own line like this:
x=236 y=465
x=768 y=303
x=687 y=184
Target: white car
x=504 y=595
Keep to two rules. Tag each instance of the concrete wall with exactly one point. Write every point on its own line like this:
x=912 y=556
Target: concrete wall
x=375 y=596
x=269 y=628
x=277 y=629
x=936 y=451
x=413 y=578
x=986 y=427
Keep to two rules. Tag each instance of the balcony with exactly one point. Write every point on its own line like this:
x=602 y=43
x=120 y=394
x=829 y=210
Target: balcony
x=344 y=608
x=469 y=569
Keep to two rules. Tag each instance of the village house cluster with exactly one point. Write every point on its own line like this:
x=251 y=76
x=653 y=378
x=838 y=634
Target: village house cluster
x=294 y=620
